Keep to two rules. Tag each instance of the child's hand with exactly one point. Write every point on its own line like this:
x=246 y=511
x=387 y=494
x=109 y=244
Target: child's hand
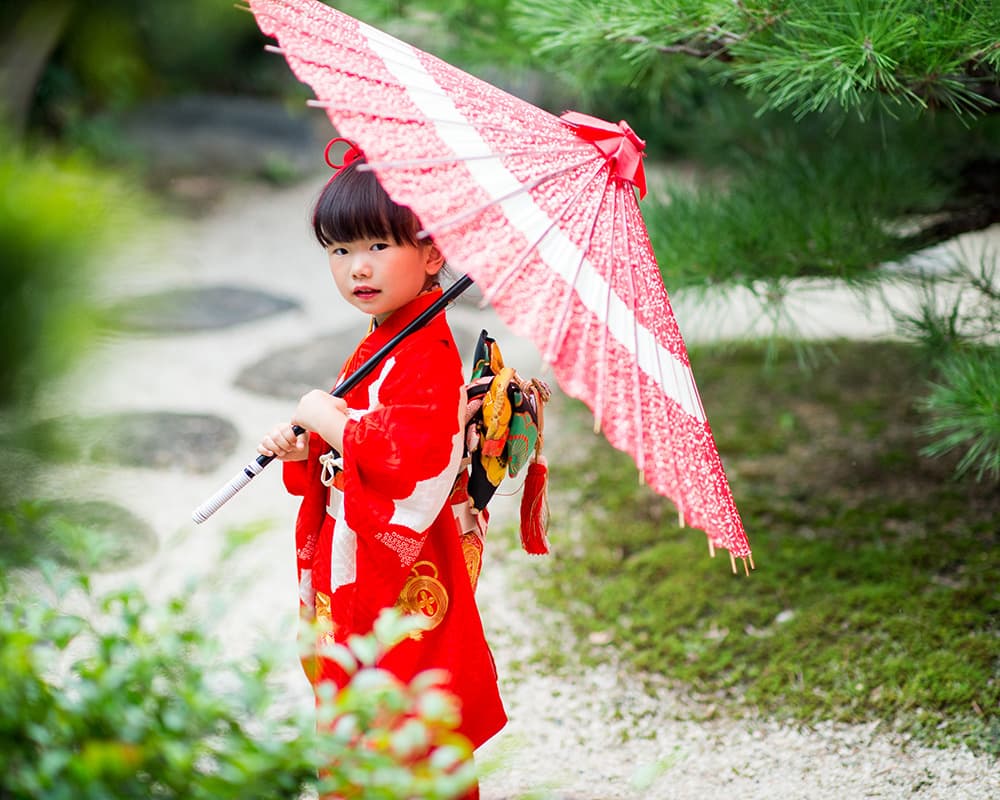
x=283 y=444
x=323 y=413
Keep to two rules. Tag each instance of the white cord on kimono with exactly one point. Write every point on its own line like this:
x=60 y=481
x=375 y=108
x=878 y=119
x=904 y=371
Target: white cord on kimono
x=331 y=463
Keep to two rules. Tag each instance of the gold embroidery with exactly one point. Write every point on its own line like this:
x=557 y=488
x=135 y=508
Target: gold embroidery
x=472 y=549
x=424 y=594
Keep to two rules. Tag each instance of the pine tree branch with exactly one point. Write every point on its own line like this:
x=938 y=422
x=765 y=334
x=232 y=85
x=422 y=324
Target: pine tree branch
x=712 y=49
x=954 y=223
x=26 y=50
x=972 y=86
x=980 y=86
x=977 y=205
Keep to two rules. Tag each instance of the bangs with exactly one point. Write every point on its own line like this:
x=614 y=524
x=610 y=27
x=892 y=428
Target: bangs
x=353 y=205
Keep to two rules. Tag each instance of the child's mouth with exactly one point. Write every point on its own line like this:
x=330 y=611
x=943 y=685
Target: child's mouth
x=365 y=292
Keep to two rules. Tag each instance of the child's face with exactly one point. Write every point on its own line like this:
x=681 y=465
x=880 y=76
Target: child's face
x=379 y=276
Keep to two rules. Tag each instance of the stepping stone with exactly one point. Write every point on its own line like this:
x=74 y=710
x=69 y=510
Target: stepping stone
x=91 y=535
x=290 y=372
x=196 y=309
x=195 y=443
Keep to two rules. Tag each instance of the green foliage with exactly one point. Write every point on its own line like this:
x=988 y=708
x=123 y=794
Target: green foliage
x=125 y=700
x=959 y=306
x=800 y=55
x=114 y=54
x=619 y=43
x=956 y=324
x=874 y=597
x=858 y=53
x=793 y=207
x=393 y=741
x=90 y=535
x=964 y=410
x=57 y=213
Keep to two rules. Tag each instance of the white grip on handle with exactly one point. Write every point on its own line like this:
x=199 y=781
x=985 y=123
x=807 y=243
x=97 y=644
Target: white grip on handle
x=227 y=492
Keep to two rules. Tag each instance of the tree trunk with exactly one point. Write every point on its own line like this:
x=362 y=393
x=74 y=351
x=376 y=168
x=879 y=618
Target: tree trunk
x=24 y=54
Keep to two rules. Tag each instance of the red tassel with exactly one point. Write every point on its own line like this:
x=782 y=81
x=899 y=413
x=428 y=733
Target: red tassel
x=535 y=508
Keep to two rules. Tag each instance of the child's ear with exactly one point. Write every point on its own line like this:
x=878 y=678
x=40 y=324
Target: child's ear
x=434 y=260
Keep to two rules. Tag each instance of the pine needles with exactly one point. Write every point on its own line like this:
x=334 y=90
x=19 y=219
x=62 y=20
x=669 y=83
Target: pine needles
x=802 y=56
x=964 y=405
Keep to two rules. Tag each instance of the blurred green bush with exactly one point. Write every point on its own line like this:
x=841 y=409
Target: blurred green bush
x=123 y=700
x=56 y=213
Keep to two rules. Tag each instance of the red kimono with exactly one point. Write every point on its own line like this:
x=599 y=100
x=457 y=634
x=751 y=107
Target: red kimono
x=391 y=530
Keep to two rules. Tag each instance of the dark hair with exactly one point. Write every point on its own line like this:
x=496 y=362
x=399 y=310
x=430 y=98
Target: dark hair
x=353 y=205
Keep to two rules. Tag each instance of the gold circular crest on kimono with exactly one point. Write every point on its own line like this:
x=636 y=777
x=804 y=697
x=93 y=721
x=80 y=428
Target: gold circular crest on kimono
x=424 y=594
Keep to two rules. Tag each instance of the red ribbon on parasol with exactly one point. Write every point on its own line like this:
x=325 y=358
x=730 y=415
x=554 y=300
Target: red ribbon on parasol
x=619 y=143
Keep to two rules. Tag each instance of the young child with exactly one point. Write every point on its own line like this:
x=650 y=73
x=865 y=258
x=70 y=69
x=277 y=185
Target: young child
x=379 y=524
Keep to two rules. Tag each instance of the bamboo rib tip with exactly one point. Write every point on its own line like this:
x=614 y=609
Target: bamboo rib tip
x=732 y=562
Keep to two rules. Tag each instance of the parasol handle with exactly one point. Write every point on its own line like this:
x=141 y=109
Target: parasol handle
x=255 y=467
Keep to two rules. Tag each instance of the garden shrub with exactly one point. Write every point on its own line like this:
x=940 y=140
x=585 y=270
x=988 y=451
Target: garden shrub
x=121 y=699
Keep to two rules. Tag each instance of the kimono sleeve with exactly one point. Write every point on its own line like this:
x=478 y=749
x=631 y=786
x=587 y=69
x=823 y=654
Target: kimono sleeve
x=297 y=475
x=401 y=457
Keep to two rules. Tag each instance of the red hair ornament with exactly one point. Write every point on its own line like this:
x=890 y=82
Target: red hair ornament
x=351 y=154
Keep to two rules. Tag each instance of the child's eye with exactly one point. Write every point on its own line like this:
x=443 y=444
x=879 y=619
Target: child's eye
x=337 y=251
x=380 y=246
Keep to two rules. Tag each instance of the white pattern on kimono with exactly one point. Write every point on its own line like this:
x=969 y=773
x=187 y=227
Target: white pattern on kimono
x=418 y=511
x=344 y=548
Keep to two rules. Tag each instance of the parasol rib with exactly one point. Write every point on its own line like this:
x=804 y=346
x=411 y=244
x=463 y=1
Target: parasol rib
x=511 y=270
x=602 y=362
x=559 y=329
x=640 y=453
x=430 y=162
x=522 y=189
x=396 y=118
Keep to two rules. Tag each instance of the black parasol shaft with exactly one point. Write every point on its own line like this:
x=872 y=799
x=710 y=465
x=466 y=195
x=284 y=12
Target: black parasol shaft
x=255 y=467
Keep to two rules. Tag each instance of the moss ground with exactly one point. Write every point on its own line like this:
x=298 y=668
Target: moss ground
x=876 y=591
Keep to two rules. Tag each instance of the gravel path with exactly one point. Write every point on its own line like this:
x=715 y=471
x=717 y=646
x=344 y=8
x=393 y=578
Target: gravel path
x=596 y=736
x=609 y=734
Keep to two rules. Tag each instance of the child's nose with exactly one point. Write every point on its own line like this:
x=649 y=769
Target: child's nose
x=360 y=268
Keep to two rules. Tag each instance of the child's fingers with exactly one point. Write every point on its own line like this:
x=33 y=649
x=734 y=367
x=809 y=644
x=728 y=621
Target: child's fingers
x=280 y=442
